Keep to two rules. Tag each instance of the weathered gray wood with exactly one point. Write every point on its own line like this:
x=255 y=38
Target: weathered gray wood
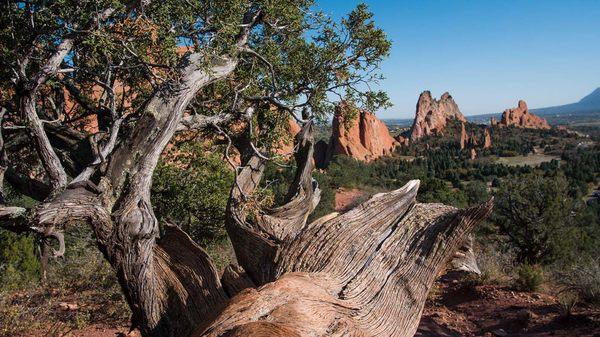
x=366 y=272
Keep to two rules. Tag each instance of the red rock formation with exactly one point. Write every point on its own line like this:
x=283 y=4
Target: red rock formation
x=473 y=153
x=473 y=140
x=522 y=118
x=463 y=136
x=403 y=141
x=432 y=115
x=493 y=121
x=487 y=139
x=347 y=198
x=286 y=146
x=363 y=137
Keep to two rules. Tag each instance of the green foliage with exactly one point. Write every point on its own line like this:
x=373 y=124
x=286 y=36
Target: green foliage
x=19 y=263
x=327 y=203
x=476 y=192
x=437 y=190
x=83 y=277
x=535 y=213
x=529 y=278
x=83 y=266
x=190 y=189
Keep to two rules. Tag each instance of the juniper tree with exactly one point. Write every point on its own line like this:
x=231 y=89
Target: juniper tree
x=92 y=93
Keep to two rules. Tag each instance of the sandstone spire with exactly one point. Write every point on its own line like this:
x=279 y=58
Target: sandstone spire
x=473 y=154
x=463 y=136
x=432 y=115
x=487 y=138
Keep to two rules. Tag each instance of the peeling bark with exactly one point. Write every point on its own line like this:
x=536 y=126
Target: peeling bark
x=363 y=273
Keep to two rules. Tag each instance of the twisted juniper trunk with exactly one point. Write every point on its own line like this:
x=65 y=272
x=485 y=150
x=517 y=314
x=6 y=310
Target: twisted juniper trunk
x=168 y=282
x=363 y=273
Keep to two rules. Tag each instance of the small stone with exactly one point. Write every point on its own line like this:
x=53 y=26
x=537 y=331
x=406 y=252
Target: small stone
x=525 y=315
x=500 y=332
x=68 y=306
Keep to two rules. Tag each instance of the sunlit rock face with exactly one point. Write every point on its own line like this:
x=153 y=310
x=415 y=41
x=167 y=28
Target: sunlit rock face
x=357 y=134
x=432 y=115
x=522 y=118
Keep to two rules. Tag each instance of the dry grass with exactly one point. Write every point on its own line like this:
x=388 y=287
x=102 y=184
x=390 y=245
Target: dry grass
x=496 y=267
x=529 y=160
x=81 y=289
x=582 y=280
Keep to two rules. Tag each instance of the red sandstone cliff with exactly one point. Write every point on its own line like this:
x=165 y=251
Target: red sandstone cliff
x=357 y=134
x=522 y=118
x=286 y=146
x=432 y=115
x=363 y=136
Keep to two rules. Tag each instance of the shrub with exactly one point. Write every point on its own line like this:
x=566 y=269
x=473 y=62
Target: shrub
x=495 y=266
x=536 y=214
x=190 y=189
x=529 y=278
x=83 y=275
x=436 y=190
x=566 y=305
x=19 y=264
x=476 y=193
x=582 y=279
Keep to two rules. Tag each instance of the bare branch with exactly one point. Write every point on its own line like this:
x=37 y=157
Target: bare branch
x=50 y=161
x=199 y=122
x=266 y=62
x=60 y=237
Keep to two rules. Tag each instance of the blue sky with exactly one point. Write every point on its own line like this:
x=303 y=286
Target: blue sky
x=489 y=53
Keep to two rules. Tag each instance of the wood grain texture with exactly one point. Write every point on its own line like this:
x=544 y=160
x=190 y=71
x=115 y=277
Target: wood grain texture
x=366 y=272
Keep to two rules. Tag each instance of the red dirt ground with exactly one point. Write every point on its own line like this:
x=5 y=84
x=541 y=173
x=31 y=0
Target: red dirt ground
x=346 y=198
x=462 y=310
x=455 y=309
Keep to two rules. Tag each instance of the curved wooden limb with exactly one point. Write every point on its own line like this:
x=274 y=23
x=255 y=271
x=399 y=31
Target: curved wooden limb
x=235 y=280
x=363 y=273
x=286 y=221
x=77 y=204
x=257 y=239
x=188 y=292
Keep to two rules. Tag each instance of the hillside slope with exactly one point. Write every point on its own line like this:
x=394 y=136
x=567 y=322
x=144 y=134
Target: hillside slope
x=589 y=103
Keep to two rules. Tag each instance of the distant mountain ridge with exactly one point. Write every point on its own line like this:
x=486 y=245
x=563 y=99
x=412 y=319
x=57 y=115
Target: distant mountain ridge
x=589 y=103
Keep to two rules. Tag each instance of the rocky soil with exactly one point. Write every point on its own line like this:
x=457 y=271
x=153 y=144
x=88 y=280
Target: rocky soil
x=455 y=308
x=459 y=309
